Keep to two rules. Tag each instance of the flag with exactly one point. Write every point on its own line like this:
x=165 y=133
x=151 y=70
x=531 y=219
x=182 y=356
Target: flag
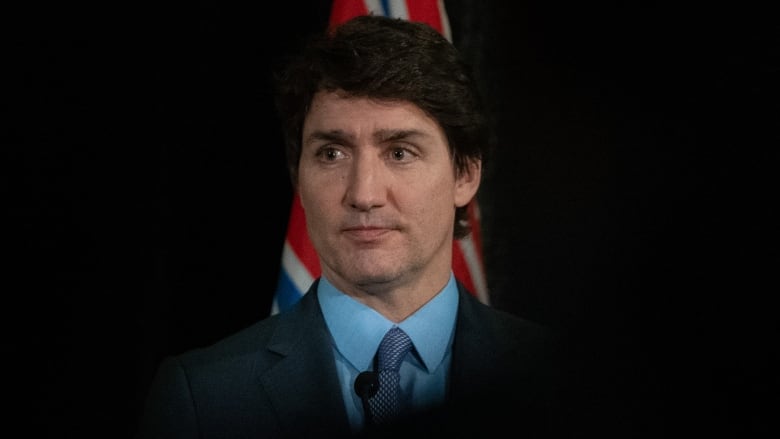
x=300 y=265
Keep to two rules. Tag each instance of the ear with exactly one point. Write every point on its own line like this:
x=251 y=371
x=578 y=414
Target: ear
x=467 y=183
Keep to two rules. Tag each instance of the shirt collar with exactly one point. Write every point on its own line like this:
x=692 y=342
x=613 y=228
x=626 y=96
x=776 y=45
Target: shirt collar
x=358 y=329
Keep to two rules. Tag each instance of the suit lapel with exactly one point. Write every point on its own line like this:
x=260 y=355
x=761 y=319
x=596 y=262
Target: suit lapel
x=303 y=386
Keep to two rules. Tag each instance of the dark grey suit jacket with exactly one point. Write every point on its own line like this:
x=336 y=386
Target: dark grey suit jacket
x=277 y=379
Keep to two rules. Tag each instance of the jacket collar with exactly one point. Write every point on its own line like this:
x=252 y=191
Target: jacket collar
x=303 y=385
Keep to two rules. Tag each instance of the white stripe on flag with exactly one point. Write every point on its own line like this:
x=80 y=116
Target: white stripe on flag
x=298 y=273
x=397 y=9
x=374 y=7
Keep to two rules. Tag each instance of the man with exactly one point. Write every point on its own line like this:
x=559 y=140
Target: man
x=386 y=143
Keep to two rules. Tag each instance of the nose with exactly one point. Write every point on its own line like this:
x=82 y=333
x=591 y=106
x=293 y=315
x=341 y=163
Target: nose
x=366 y=188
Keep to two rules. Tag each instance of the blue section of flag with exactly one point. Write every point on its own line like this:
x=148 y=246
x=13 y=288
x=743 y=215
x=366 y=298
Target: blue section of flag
x=286 y=293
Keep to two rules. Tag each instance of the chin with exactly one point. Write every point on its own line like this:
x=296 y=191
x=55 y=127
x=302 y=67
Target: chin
x=373 y=277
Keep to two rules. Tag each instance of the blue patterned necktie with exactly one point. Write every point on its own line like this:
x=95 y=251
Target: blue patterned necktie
x=386 y=404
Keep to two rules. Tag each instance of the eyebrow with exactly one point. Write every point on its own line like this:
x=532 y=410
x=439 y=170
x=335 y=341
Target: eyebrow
x=394 y=135
x=384 y=135
x=329 y=136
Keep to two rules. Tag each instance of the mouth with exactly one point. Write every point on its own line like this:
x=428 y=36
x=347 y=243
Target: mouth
x=366 y=234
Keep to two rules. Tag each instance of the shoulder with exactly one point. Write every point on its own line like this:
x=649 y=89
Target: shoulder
x=246 y=341
x=504 y=368
x=230 y=384
x=493 y=347
x=259 y=345
x=222 y=365
x=499 y=325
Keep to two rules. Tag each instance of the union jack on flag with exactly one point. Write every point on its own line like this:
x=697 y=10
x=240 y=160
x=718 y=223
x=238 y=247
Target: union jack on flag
x=300 y=264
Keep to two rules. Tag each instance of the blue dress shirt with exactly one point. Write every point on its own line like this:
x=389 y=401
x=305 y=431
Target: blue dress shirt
x=357 y=330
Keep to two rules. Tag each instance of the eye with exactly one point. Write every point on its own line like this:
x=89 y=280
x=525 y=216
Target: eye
x=330 y=154
x=400 y=154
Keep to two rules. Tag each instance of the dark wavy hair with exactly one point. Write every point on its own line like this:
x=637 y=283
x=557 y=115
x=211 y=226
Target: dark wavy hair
x=387 y=59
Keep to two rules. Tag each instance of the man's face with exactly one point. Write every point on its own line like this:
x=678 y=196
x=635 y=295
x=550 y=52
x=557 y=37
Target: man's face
x=379 y=191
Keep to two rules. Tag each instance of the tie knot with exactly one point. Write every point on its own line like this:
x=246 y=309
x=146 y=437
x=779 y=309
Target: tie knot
x=394 y=346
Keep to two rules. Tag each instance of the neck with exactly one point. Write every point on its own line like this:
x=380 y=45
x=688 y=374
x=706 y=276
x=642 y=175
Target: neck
x=397 y=301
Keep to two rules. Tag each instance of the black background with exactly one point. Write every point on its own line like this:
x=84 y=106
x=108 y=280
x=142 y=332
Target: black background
x=629 y=203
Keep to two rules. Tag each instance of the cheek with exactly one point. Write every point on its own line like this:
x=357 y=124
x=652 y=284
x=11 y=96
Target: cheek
x=435 y=204
x=319 y=194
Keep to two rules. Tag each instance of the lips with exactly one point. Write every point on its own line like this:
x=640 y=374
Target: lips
x=366 y=233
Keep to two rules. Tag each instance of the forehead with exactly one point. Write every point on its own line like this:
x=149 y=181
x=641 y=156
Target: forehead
x=339 y=111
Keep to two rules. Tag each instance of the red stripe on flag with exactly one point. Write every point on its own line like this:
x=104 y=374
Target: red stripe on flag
x=298 y=238
x=343 y=10
x=426 y=12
